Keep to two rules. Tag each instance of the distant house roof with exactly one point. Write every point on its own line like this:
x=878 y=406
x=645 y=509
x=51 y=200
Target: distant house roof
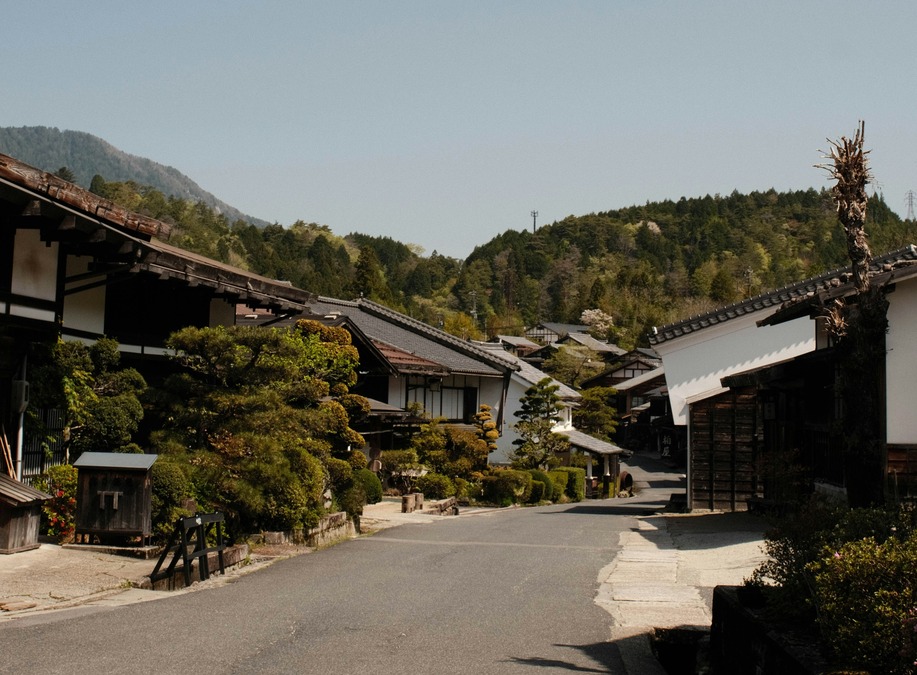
x=408 y=336
x=518 y=342
x=589 y=443
x=14 y=493
x=793 y=293
x=528 y=372
x=625 y=363
x=559 y=329
x=653 y=378
x=595 y=345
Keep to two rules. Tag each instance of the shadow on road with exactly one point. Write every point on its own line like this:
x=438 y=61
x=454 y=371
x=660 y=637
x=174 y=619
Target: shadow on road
x=611 y=508
x=605 y=655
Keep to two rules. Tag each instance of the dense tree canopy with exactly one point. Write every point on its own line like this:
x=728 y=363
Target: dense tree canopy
x=259 y=417
x=641 y=266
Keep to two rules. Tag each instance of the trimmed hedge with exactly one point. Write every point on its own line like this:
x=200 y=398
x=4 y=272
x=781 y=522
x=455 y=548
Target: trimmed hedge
x=435 y=486
x=539 y=475
x=537 y=492
x=559 y=480
x=507 y=487
x=576 y=482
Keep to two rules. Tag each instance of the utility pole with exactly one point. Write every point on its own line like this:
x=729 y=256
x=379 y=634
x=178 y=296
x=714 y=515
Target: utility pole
x=534 y=220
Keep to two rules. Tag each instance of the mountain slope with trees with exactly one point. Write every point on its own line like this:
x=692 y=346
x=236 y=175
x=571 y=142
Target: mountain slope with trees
x=642 y=265
x=86 y=156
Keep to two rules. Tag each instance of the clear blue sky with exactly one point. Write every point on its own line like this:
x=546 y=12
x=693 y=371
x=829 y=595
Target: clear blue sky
x=444 y=123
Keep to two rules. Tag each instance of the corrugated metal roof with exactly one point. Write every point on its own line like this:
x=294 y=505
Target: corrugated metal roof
x=14 y=493
x=115 y=460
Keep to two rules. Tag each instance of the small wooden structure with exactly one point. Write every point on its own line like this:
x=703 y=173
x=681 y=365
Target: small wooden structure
x=114 y=496
x=20 y=515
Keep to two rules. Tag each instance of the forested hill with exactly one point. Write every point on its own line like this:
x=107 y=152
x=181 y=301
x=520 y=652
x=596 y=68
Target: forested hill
x=652 y=264
x=86 y=156
x=643 y=265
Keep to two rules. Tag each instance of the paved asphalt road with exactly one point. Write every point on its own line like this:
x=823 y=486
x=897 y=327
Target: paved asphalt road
x=509 y=591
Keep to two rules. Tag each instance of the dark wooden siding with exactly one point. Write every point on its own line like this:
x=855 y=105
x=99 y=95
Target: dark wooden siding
x=724 y=447
x=902 y=472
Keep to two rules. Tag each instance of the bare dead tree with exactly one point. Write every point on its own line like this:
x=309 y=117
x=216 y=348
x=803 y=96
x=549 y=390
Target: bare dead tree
x=859 y=326
x=850 y=171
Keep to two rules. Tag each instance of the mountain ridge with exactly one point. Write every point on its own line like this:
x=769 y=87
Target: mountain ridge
x=86 y=155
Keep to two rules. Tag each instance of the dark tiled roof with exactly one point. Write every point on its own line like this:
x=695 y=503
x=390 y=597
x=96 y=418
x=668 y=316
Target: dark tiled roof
x=778 y=298
x=70 y=213
x=68 y=195
x=392 y=328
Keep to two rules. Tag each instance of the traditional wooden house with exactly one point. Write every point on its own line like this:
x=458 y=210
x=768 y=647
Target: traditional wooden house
x=76 y=266
x=524 y=375
x=410 y=371
x=548 y=332
x=697 y=354
x=753 y=383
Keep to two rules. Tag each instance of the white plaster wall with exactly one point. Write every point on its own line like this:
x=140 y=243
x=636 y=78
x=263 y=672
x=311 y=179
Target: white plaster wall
x=517 y=389
x=695 y=363
x=901 y=363
x=505 y=447
x=84 y=310
x=34 y=273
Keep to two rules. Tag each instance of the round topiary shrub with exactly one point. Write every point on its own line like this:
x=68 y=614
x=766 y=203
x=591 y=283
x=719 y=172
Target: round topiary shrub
x=435 y=486
x=357 y=460
x=340 y=473
x=372 y=486
x=170 y=488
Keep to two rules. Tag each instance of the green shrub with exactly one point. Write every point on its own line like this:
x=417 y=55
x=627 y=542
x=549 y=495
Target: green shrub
x=507 y=487
x=435 y=486
x=801 y=537
x=576 y=482
x=372 y=486
x=866 y=595
x=340 y=473
x=170 y=487
x=559 y=480
x=353 y=499
x=357 y=460
x=537 y=492
x=539 y=475
x=59 y=512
